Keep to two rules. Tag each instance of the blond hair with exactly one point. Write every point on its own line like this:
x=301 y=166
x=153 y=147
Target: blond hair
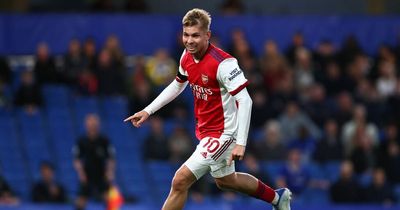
x=197 y=16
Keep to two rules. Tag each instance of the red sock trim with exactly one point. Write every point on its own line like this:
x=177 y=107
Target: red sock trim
x=264 y=192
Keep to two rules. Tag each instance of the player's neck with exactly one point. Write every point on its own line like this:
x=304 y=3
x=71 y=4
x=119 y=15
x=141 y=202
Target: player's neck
x=199 y=55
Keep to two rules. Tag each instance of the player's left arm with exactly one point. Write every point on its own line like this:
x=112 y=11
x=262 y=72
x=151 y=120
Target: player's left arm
x=244 y=115
x=110 y=163
x=233 y=79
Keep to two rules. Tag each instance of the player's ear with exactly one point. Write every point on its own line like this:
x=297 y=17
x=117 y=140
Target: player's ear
x=209 y=34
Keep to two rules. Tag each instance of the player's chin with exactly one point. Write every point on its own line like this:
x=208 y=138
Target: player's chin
x=191 y=50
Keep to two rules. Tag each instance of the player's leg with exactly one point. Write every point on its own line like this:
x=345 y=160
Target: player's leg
x=181 y=182
x=248 y=184
x=192 y=170
x=81 y=200
x=226 y=178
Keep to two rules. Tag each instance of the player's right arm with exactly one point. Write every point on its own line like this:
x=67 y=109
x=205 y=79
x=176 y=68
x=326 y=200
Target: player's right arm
x=167 y=95
x=77 y=153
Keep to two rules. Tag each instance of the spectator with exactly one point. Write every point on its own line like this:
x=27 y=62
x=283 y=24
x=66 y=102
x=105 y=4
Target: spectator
x=47 y=190
x=136 y=6
x=90 y=54
x=261 y=111
x=329 y=147
x=363 y=153
x=294 y=174
x=317 y=105
x=357 y=70
x=367 y=94
x=271 y=146
x=359 y=121
x=88 y=83
x=344 y=108
x=346 y=189
x=180 y=144
x=303 y=70
x=390 y=161
x=253 y=166
x=332 y=79
x=103 y=6
x=45 y=69
x=387 y=79
x=94 y=163
x=111 y=77
x=385 y=53
x=297 y=43
x=161 y=68
x=232 y=7
x=156 y=147
x=7 y=197
x=291 y=121
x=283 y=95
x=113 y=47
x=141 y=95
x=379 y=191
x=73 y=62
x=5 y=96
x=324 y=54
x=304 y=142
x=28 y=94
x=274 y=67
x=350 y=48
x=5 y=71
x=393 y=104
x=240 y=46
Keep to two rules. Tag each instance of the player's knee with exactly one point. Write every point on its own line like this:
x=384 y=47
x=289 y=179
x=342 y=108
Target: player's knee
x=179 y=183
x=223 y=184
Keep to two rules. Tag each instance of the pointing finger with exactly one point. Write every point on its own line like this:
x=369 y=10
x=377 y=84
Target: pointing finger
x=129 y=118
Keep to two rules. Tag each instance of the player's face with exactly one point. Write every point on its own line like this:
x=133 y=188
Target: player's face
x=195 y=40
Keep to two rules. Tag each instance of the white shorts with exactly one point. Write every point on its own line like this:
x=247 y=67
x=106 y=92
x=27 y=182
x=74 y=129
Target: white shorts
x=212 y=155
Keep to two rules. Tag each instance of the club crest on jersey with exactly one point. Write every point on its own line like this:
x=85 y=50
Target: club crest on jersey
x=204 y=154
x=204 y=78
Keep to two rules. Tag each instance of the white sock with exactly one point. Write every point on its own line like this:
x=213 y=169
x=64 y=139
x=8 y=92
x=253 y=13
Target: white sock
x=276 y=198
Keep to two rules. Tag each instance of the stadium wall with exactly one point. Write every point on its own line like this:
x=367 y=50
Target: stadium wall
x=143 y=34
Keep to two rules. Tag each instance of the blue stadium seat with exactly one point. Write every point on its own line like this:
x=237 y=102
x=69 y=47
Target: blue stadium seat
x=34 y=140
x=316 y=171
x=59 y=114
x=273 y=168
x=160 y=174
x=332 y=170
x=83 y=106
x=397 y=191
x=56 y=96
x=63 y=138
x=114 y=108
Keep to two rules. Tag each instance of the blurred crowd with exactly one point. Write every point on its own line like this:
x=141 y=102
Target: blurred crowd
x=310 y=105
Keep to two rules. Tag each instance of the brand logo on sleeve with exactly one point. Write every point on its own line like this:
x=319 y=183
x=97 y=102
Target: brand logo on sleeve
x=234 y=73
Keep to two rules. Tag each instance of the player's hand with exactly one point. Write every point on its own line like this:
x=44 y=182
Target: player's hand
x=237 y=153
x=138 y=118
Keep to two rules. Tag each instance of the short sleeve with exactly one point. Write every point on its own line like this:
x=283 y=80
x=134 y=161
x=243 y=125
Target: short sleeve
x=77 y=150
x=231 y=76
x=110 y=150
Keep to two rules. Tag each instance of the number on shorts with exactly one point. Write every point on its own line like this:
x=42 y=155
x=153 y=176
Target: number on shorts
x=212 y=145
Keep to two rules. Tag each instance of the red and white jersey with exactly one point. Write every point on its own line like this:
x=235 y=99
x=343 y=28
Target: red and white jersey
x=214 y=80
